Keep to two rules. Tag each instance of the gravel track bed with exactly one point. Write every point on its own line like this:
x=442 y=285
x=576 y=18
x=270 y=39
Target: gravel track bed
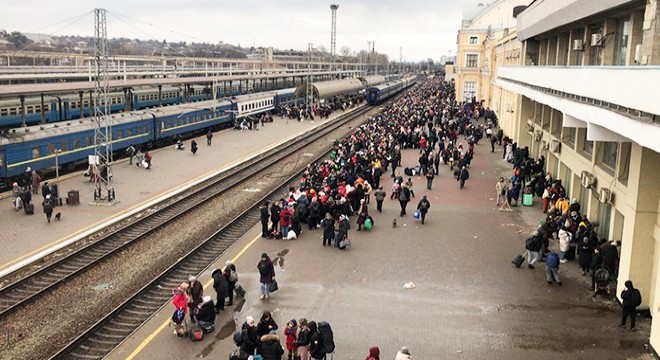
x=54 y=319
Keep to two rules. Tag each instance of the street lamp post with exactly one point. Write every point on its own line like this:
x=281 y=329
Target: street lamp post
x=57 y=166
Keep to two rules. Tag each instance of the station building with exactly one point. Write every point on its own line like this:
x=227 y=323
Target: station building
x=578 y=82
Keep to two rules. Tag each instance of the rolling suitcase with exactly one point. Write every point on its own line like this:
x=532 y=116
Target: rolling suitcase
x=239 y=291
x=519 y=260
x=29 y=209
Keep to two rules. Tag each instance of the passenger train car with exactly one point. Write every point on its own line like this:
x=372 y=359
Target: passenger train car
x=72 y=141
x=377 y=94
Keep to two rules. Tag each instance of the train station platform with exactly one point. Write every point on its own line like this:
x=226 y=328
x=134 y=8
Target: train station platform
x=469 y=302
x=26 y=238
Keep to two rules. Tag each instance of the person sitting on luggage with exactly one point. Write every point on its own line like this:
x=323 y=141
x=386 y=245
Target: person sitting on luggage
x=206 y=314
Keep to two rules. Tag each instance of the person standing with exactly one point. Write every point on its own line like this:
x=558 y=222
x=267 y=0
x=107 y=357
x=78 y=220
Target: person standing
x=500 y=189
x=221 y=287
x=263 y=211
x=314 y=213
x=232 y=278
x=249 y=336
x=463 y=175
x=303 y=340
x=363 y=214
x=195 y=294
x=403 y=354
x=291 y=332
x=342 y=233
x=266 y=324
x=275 y=211
x=430 y=175
x=209 y=137
x=130 y=151
x=315 y=343
x=266 y=275
x=180 y=301
x=48 y=207
x=409 y=185
x=632 y=298
x=423 y=207
x=328 y=225
x=404 y=198
x=269 y=344
x=379 y=195
x=374 y=353
x=193 y=147
x=552 y=268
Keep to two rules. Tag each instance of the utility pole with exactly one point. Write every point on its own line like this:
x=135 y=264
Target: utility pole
x=333 y=33
x=400 y=58
x=309 y=95
x=368 y=55
x=102 y=119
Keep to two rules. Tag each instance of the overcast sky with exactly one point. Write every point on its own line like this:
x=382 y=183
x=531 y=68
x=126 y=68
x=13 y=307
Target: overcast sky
x=424 y=28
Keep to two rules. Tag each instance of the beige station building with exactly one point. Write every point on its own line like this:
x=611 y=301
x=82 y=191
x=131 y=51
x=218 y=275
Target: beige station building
x=578 y=81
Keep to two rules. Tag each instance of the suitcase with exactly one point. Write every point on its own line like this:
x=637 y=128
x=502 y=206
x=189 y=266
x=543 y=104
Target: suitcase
x=29 y=209
x=519 y=260
x=528 y=199
x=239 y=291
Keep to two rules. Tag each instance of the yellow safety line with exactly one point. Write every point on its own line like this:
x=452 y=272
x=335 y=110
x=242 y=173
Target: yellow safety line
x=165 y=323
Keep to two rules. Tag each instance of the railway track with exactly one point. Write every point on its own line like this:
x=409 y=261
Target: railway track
x=28 y=288
x=109 y=332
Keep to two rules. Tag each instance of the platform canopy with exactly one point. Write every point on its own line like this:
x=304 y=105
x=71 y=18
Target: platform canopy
x=328 y=89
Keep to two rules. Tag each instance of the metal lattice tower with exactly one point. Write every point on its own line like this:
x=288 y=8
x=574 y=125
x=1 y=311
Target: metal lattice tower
x=333 y=32
x=309 y=95
x=102 y=119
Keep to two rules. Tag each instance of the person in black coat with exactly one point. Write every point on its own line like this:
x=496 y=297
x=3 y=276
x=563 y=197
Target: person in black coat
x=232 y=279
x=221 y=287
x=314 y=213
x=586 y=254
x=205 y=314
x=249 y=336
x=629 y=305
x=275 y=214
x=315 y=345
x=266 y=324
x=263 y=210
x=270 y=347
x=328 y=225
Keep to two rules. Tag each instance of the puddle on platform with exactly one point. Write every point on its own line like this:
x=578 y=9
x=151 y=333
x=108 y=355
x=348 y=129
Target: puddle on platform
x=283 y=252
x=239 y=305
x=226 y=331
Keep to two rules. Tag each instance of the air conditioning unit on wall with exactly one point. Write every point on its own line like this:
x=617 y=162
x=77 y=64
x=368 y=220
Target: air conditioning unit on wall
x=578 y=45
x=596 y=40
x=605 y=196
x=538 y=135
x=588 y=179
x=555 y=146
x=545 y=145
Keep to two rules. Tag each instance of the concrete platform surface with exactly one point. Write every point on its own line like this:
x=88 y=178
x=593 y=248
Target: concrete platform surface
x=25 y=236
x=469 y=301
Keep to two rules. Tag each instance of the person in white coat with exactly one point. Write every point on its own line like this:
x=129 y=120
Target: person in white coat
x=564 y=243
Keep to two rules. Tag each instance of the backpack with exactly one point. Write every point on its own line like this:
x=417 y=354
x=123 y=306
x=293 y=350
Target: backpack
x=327 y=337
x=177 y=317
x=636 y=298
x=196 y=333
x=233 y=277
x=424 y=205
x=48 y=206
x=238 y=337
x=532 y=244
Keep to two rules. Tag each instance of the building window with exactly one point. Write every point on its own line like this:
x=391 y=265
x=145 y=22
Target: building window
x=624 y=163
x=472 y=60
x=608 y=154
x=473 y=40
x=469 y=90
x=604 y=217
x=621 y=41
x=568 y=136
x=586 y=146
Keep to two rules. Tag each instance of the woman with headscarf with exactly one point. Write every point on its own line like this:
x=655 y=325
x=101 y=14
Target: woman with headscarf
x=363 y=214
x=342 y=234
x=374 y=353
x=328 y=225
x=303 y=340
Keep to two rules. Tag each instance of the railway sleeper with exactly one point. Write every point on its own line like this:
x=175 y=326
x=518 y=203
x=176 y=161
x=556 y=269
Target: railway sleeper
x=127 y=324
x=138 y=313
x=85 y=356
x=101 y=333
x=100 y=341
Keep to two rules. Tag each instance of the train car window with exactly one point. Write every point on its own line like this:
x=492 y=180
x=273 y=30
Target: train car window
x=129 y=132
x=36 y=152
x=64 y=145
x=119 y=134
x=3 y=112
x=12 y=111
x=73 y=105
x=88 y=141
x=145 y=129
x=138 y=130
x=2 y=159
x=76 y=144
x=50 y=149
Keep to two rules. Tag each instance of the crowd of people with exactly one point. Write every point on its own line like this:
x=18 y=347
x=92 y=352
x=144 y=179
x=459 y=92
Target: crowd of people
x=23 y=189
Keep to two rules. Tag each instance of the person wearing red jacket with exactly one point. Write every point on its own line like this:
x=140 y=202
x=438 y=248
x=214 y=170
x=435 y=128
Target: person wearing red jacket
x=285 y=221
